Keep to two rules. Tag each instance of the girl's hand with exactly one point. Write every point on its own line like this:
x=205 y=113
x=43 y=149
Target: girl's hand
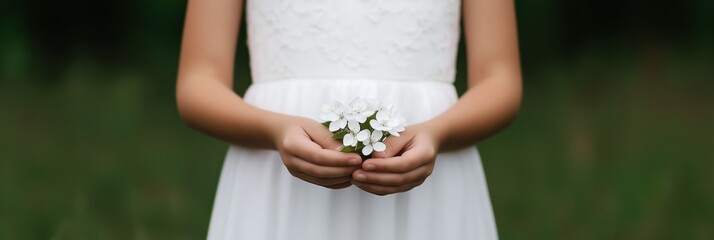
x=309 y=153
x=407 y=162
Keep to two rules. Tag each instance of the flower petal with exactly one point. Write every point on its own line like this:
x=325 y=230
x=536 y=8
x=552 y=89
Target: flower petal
x=375 y=124
x=394 y=132
x=343 y=123
x=376 y=136
x=353 y=126
x=381 y=115
x=379 y=146
x=348 y=139
x=334 y=126
x=363 y=135
x=367 y=150
x=393 y=122
x=360 y=118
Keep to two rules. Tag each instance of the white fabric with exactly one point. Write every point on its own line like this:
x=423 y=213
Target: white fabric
x=309 y=52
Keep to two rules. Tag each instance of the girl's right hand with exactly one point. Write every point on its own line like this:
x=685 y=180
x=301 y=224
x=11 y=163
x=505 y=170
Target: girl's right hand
x=310 y=153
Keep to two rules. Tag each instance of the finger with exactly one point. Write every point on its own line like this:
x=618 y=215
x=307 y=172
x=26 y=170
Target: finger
x=385 y=190
x=408 y=161
x=394 y=146
x=312 y=152
x=393 y=179
x=340 y=185
x=322 y=136
x=318 y=171
x=326 y=182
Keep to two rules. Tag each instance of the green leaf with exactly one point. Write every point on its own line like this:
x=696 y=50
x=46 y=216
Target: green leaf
x=365 y=125
x=348 y=149
x=326 y=124
x=339 y=135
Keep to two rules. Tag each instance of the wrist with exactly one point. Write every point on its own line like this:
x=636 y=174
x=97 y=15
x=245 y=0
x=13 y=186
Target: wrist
x=273 y=124
x=434 y=130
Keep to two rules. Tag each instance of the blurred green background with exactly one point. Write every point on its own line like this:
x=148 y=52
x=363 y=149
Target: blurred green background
x=614 y=140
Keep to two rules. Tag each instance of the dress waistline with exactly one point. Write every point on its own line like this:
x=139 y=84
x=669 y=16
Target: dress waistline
x=349 y=79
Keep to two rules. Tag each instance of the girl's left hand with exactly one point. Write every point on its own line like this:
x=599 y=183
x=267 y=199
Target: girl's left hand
x=408 y=160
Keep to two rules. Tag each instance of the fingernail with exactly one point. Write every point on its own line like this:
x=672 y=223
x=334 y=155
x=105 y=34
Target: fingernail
x=368 y=167
x=360 y=177
x=355 y=161
x=338 y=148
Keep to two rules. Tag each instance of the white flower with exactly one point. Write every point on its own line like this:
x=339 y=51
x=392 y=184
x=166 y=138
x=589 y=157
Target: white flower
x=347 y=123
x=373 y=143
x=358 y=110
x=354 y=135
x=396 y=130
x=334 y=113
x=388 y=120
x=374 y=104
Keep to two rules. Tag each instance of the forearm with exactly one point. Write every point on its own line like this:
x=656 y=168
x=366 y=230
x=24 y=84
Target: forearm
x=483 y=110
x=215 y=109
x=494 y=95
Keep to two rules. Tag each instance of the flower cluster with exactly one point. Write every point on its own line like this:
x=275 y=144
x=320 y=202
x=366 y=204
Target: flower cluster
x=362 y=125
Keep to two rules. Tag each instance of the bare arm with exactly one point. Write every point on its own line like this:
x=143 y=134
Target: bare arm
x=204 y=93
x=207 y=102
x=490 y=103
x=494 y=76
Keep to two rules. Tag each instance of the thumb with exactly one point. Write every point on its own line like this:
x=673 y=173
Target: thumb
x=322 y=136
x=395 y=145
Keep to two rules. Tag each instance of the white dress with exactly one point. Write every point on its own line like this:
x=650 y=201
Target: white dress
x=308 y=52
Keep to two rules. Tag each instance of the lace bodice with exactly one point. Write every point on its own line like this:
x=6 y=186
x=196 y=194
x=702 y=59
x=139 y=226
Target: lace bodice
x=385 y=39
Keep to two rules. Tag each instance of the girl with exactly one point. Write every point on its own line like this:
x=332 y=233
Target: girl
x=283 y=177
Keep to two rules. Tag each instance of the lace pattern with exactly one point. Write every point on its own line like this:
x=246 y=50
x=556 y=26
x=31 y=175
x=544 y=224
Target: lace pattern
x=396 y=39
